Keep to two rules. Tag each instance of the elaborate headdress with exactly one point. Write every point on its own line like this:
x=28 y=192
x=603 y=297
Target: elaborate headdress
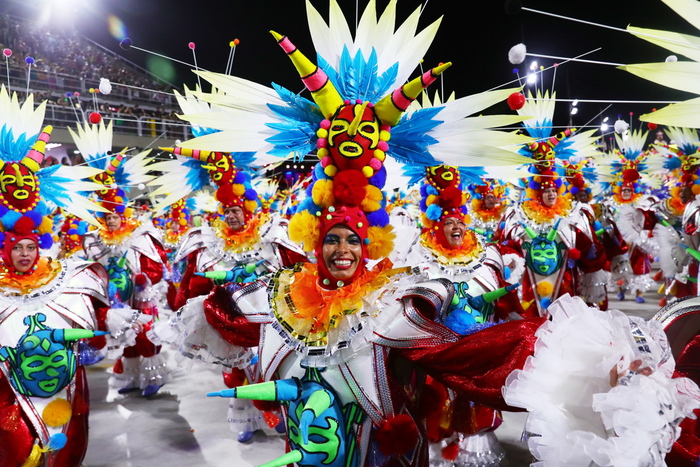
x=546 y=151
x=680 y=161
x=28 y=193
x=117 y=172
x=579 y=177
x=358 y=116
x=625 y=165
x=478 y=191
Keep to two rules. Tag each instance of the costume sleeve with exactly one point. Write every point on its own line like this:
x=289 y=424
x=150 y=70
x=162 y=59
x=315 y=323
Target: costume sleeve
x=592 y=252
x=223 y=315
x=191 y=285
x=153 y=269
x=478 y=365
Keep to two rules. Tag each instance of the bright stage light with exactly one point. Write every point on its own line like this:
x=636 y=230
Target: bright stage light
x=604 y=127
x=532 y=78
x=574 y=111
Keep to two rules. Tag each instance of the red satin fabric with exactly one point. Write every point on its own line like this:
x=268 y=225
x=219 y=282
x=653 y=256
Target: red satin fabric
x=686 y=451
x=640 y=262
x=477 y=365
x=17 y=435
x=290 y=258
x=154 y=269
x=223 y=315
x=191 y=285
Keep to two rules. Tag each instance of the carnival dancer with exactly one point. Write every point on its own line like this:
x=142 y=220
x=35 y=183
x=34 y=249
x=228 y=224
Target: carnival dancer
x=542 y=227
x=592 y=278
x=132 y=254
x=47 y=305
x=339 y=312
x=449 y=250
x=636 y=216
x=489 y=201
x=678 y=214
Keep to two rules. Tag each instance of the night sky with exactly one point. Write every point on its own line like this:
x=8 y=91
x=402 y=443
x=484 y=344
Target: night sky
x=477 y=42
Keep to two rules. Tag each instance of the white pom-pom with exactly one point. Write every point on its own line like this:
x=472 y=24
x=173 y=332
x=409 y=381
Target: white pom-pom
x=177 y=141
x=105 y=86
x=671 y=58
x=113 y=186
x=621 y=126
x=517 y=53
x=141 y=186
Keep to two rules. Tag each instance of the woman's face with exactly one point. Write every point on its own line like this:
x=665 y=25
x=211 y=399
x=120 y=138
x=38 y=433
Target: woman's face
x=342 y=252
x=24 y=255
x=549 y=197
x=454 y=231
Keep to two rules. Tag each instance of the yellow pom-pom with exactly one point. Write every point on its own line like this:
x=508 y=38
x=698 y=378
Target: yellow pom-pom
x=544 y=289
x=57 y=412
x=321 y=153
x=367 y=171
x=250 y=205
x=128 y=212
x=696 y=189
x=431 y=199
x=46 y=226
x=384 y=135
x=373 y=199
x=330 y=170
x=379 y=155
x=238 y=189
x=322 y=193
x=381 y=241
x=303 y=229
x=183 y=222
x=322 y=133
x=74 y=237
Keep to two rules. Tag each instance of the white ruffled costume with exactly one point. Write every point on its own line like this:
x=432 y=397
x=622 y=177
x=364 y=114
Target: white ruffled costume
x=576 y=417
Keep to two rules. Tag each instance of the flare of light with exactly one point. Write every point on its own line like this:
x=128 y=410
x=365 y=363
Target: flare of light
x=531 y=78
x=574 y=111
x=117 y=28
x=604 y=127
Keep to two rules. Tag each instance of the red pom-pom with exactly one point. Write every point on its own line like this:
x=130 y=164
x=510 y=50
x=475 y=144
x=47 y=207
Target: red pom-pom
x=140 y=279
x=397 y=435
x=630 y=175
x=432 y=398
x=516 y=101
x=95 y=118
x=24 y=225
x=574 y=254
x=235 y=378
x=450 y=452
x=349 y=187
x=652 y=126
x=118 y=367
x=225 y=195
x=451 y=197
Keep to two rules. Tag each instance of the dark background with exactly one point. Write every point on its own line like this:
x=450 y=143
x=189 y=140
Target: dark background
x=475 y=35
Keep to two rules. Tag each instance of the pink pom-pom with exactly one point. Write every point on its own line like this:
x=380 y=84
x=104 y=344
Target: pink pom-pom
x=325 y=162
x=325 y=124
x=76 y=94
x=376 y=164
x=321 y=143
x=383 y=146
x=95 y=118
x=191 y=45
x=385 y=128
x=7 y=52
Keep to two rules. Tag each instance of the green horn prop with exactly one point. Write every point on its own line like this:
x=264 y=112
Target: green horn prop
x=291 y=457
x=553 y=233
x=528 y=230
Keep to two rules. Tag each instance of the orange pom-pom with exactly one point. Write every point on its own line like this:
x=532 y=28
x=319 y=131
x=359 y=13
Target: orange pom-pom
x=373 y=199
x=238 y=189
x=250 y=205
x=303 y=229
x=57 y=412
x=544 y=289
x=46 y=225
x=696 y=189
x=381 y=241
x=322 y=193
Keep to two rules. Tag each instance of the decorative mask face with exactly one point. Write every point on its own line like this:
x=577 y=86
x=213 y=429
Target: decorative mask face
x=442 y=176
x=221 y=170
x=108 y=181
x=18 y=185
x=120 y=277
x=43 y=363
x=352 y=138
x=543 y=256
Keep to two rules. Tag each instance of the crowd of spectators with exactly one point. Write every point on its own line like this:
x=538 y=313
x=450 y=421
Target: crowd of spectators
x=67 y=53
